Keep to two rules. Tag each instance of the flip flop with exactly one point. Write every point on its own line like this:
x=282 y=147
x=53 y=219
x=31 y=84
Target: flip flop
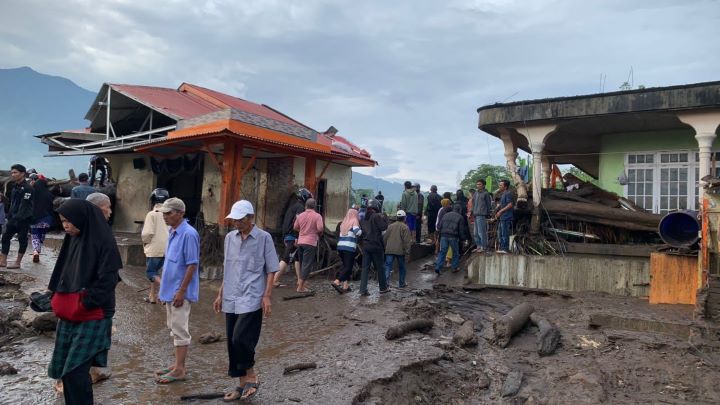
x=247 y=386
x=13 y=266
x=238 y=390
x=160 y=373
x=168 y=379
x=337 y=288
x=146 y=299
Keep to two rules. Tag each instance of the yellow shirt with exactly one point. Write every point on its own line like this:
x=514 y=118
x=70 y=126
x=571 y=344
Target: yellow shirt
x=154 y=234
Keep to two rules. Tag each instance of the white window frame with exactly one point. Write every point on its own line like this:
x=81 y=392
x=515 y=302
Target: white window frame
x=691 y=165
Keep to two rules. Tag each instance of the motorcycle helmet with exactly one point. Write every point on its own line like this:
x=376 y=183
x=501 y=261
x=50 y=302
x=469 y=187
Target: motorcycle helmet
x=159 y=195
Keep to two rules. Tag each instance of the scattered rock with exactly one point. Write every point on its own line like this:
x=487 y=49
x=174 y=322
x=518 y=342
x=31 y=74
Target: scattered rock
x=7 y=368
x=483 y=381
x=45 y=322
x=455 y=318
x=465 y=335
x=210 y=337
x=512 y=384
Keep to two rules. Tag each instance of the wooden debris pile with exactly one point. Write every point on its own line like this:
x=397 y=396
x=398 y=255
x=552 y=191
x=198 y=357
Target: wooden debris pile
x=588 y=203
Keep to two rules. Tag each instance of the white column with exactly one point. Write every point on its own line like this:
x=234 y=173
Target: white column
x=546 y=166
x=510 y=159
x=536 y=136
x=705 y=124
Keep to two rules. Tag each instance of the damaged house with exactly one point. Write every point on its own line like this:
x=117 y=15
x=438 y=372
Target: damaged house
x=650 y=147
x=210 y=149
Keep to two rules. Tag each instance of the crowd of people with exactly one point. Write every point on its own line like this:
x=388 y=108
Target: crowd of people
x=86 y=272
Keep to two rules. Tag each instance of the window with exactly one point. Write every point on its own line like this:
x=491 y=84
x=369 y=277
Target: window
x=661 y=182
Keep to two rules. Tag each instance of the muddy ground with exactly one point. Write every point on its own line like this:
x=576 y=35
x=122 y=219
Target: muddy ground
x=344 y=335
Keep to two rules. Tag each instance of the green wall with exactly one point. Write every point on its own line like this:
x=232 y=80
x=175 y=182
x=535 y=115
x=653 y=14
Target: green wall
x=615 y=146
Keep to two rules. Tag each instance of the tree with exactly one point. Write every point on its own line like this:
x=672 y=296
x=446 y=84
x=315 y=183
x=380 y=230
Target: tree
x=482 y=172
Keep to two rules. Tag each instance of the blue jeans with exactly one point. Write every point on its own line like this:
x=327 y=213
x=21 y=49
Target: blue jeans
x=481 y=232
x=376 y=258
x=401 y=268
x=410 y=221
x=504 y=229
x=445 y=243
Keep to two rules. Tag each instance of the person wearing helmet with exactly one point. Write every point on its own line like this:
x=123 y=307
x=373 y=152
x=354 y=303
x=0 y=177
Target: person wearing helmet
x=290 y=235
x=373 y=249
x=155 y=237
x=397 y=245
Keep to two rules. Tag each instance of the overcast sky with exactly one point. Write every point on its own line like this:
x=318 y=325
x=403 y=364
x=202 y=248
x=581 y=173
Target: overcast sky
x=402 y=79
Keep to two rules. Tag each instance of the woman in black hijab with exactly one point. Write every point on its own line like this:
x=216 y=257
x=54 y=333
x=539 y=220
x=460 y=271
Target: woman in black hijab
x=83 y=285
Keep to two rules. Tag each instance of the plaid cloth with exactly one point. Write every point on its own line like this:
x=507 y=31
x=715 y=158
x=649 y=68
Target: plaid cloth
x=78 y=342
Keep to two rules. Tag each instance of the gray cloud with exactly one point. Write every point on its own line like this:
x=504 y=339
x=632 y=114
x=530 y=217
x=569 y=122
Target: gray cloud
x=402 y=79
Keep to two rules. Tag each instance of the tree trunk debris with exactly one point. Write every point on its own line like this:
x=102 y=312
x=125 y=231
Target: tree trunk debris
x=548 y=337
x=299 y=367
x=402 y=329
x=465 y=335
x=506 y=326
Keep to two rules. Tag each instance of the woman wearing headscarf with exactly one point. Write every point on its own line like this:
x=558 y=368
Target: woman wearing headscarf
x=83 y=285
x=347 y=246
x=42 y=214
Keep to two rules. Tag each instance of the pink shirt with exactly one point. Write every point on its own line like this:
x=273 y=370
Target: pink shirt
x=309 y=224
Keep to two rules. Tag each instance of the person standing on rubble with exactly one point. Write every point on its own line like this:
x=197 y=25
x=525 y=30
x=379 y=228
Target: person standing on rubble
x=504 y=214
x=179 y=286
x=380 y=199
x=453 y=230
x=245 y=295
x=309 y=225
x=481 y=209
x=420 y=206
x=431 y=210
x=19 y=216
x=290 y=235
x=409 y=204
x=154 y=237
x=397 y=240
x=373 y=248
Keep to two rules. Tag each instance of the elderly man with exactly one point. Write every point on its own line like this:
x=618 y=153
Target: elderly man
x=101 y=201
x=244 y=297
x=180 y=285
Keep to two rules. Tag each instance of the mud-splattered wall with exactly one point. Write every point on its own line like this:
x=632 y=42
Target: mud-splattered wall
x=337 y=193
x=133 y=190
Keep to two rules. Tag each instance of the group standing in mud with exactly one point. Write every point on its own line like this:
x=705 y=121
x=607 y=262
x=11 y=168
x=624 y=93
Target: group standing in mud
x=86 y=273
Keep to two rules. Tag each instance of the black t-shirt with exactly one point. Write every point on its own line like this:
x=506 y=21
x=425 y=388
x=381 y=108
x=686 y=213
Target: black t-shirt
x=289 y=218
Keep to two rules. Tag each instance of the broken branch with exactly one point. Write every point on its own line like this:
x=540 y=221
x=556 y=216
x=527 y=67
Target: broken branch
x=299 y=295
x=548 y=337
x=509 y=324
x=402 y=329
x=298 y=367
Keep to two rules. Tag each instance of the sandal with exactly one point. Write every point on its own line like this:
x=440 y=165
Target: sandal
x=249 y=386
x=146 y=299
x=337 y=288
x=13 y=266
x=159 y=373
x=236 y=394
x=168 y=379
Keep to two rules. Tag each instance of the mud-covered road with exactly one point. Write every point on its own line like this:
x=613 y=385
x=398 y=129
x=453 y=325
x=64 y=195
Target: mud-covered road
x=345 y=336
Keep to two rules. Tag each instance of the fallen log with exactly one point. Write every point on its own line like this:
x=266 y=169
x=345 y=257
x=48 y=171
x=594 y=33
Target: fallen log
x=299 y=295
x=299 y=367
x=631 y=226
x=548 y=337
x=506 y=326
x=600 y=211
x=465 y=335
x=402 y=329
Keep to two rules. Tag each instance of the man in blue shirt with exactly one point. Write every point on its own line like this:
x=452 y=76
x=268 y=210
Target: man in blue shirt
x=244 y=297
x=180 y=284
x=82 y=190
x=505 y=215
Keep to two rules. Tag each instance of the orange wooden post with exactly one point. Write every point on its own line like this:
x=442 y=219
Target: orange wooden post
x=310 y=179
x=229 y=169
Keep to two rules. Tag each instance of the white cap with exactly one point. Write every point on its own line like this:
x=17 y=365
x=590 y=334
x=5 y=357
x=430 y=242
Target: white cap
x=401 y=213
x=240 y=210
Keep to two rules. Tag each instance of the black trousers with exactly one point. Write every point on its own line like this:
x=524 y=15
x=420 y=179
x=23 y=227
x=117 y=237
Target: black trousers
x=77 y=385
x=348 y=261
x=12 y=228
x=243 y=333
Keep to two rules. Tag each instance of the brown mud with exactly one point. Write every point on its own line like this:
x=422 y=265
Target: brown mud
x=345 y=336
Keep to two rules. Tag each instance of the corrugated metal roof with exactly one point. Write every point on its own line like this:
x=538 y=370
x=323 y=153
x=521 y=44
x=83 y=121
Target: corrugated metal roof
x=176 y=104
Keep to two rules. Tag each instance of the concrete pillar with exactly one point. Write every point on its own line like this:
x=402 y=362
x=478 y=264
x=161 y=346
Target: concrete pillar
x=546 y=167
x=705 y=124
x=536 y=136
x=511 y=157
